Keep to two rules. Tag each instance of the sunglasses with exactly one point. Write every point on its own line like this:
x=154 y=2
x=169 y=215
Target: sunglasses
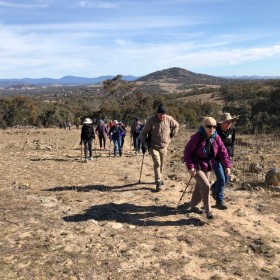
x=210 y=126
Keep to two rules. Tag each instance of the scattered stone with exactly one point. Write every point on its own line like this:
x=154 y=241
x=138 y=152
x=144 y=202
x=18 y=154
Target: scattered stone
x=255 y=168
x=115 y=225
x=272 y=177
x=94 y=221
x=240 y=213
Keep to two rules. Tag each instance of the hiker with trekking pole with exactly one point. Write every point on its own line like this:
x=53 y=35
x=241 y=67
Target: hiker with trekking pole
x=87 y=136
x=158 y=129
x=227 y=133
x=199 y=156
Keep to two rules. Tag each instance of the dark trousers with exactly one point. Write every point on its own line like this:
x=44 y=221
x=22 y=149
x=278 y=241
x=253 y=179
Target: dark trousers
x=136 y=142
x=102 y=139
x=88 y=148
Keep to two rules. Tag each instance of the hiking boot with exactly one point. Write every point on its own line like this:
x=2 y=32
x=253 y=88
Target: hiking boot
x=209 y=216
x=221 y=205
x=195 y=210
x=90 y=158
x=158 y=187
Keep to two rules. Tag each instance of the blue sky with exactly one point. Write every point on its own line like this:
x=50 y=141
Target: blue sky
x=55 y=38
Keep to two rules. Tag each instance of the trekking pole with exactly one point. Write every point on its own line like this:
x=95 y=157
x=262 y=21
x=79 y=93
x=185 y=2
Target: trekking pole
x=81 y=150
x=183 y=193
x=141 y=168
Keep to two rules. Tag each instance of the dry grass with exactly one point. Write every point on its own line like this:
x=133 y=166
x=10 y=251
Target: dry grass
x=65 y=219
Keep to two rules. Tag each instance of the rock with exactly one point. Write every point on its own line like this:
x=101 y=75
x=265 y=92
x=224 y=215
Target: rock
x=272 y=177
x=115 y=225
x=255 y=168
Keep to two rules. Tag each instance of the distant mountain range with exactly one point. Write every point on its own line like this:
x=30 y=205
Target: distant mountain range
x=65 y=81
x=174 y=74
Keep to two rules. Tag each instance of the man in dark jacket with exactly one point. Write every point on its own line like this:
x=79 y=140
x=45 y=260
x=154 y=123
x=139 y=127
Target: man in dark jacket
x=87 y=136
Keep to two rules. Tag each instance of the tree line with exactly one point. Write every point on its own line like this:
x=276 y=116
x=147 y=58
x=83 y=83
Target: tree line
x=257 y=103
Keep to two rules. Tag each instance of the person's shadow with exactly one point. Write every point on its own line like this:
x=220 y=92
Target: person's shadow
x=102 y=188
x=134 y=215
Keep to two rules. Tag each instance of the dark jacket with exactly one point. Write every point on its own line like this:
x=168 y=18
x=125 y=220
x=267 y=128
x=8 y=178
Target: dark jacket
x=116 y=132
x=87 y=132
x=228 y=138
x=200 y=151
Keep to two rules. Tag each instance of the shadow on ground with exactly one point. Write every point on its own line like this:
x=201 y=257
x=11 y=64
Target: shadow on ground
x=133 y=215
x=102 y=188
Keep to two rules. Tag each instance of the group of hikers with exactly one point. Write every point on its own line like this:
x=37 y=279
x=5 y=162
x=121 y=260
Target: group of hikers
x=209 y=149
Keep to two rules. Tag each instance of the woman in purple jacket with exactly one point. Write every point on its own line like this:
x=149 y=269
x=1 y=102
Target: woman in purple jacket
x=199 y=156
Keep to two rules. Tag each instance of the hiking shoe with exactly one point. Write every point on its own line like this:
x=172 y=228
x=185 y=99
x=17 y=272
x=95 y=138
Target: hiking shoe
x=221 y=205
x=195 y=210
x=158 y=187
x=90 y=158
x=209 y=216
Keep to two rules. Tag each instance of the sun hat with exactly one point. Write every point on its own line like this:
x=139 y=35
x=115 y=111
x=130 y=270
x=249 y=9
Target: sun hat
x=116 y=122
x=87 y=121
x=227 y=117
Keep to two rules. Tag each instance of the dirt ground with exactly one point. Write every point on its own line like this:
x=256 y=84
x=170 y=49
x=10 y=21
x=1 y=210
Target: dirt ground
x=62 y=218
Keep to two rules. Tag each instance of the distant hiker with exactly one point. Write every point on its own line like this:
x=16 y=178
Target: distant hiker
x=111 y=123
x=227 y=133
x=135 y=133
x=159 y=129
x=199 y=157
x=115 y=134
x=140 y=130
x=102 y=133
x=87 y=136
x=123 y=134
x=77 y=125
x=69 y=125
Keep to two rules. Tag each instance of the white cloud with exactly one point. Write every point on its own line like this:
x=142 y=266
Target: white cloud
x=22 y=5
x=97 y=4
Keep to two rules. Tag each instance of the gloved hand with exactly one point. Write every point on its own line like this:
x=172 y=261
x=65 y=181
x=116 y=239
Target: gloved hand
x=144 y=149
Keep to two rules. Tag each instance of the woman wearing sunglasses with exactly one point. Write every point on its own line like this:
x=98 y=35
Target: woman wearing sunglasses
x=199 y=156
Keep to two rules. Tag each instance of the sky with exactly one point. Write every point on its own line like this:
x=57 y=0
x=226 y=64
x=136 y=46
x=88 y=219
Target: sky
x=88 y=38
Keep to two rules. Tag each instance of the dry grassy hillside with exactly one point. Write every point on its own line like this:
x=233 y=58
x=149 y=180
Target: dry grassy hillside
x=62 y=218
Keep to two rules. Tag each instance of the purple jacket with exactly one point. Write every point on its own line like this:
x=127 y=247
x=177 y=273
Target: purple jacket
x=195 y=155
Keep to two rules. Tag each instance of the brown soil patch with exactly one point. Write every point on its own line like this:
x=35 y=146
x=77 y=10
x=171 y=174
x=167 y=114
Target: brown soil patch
x=62 y=218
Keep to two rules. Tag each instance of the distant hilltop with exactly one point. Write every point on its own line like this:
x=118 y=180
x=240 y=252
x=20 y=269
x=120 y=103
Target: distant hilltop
x=174 y=74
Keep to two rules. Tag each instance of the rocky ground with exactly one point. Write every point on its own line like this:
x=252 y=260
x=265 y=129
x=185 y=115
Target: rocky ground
x=62 y=218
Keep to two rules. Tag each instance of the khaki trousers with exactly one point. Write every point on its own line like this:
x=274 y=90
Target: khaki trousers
x=201 y=191
x=158 y=156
